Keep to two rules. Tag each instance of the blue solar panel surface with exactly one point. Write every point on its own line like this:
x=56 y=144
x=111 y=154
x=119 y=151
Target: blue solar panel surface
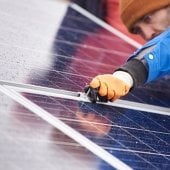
x=33 y=52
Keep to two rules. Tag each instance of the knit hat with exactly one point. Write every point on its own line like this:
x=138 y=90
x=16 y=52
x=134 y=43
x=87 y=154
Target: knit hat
x=132 y=10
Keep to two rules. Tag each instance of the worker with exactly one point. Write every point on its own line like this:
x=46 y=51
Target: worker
x=150 y=20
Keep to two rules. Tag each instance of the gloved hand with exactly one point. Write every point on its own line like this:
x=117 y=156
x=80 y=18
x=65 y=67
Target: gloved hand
x=107 y=87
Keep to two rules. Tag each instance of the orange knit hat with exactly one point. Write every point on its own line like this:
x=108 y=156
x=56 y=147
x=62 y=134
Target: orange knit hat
x=132 y=10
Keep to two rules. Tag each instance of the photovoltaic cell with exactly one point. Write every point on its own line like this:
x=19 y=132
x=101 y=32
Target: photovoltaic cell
x=33 y=52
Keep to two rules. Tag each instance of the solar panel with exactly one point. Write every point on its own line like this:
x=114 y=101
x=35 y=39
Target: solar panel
x=35 y=50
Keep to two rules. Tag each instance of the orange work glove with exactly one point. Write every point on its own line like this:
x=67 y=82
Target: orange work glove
x=107 y=87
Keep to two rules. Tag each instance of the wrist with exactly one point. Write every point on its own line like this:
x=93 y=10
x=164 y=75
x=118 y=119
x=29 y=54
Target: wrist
x=125 y=77
x=137 y=69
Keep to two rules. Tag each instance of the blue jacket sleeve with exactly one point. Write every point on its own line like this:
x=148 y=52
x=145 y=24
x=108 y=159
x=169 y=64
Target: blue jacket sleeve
x=158 y=60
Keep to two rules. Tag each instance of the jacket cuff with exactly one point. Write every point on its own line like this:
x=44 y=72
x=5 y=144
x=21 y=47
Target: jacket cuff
x=138 y=69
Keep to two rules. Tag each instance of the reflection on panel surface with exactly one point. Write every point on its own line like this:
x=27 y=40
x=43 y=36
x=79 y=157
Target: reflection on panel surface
x=35 y=51
x=139 y=139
